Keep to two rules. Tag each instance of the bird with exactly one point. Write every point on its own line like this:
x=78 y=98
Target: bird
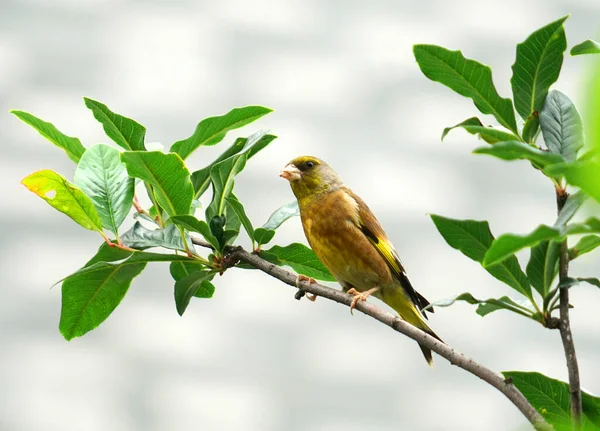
x=349 y=240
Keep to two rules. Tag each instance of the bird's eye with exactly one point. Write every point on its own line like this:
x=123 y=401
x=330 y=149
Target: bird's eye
x=310 y=164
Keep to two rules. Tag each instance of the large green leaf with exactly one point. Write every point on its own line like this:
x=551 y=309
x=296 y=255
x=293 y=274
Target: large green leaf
x=300 y=258
x=140 y=237
x=537 y=66
x=582 y=174
x=65 y=197
x=192 y=224
x=550 y=397
x=102 y=176
x=211 y=131
x=473 y=238
x=167 y=174
x=486 y=306
x=222 y=176
x=282 y=214
x=562 y=126
x=251 y=145
x=71 y=146
x=508 y=244
x=468 y=78
x=586 y=47
x=515 y=150
x=543 y=266
x=197 y=284
x=475 y=127
x=584 y=245
x=124 y=131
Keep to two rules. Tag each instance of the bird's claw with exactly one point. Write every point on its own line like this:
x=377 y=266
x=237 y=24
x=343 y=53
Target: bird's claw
x=301 y=293
x=359 y=296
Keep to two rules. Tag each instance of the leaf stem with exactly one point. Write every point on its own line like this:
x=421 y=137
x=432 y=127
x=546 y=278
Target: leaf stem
x=565 y=325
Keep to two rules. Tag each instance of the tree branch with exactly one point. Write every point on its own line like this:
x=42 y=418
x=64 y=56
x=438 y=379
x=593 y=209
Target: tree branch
x=237 y=254
x=565 y=324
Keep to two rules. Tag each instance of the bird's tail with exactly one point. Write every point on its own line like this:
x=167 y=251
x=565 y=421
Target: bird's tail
x=410 y=313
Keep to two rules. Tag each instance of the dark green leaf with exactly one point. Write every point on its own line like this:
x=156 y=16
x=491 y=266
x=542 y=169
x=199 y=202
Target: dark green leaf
x=585 y=245
x=140 y=238
x=300 y=258
x=586 y=47
x=531 y=127
x=591 y=280
x=468 y=78
x=192 y=224
x=515 y=150
x=473 y=238
x=88 y=298
x=562 y=126
x=180 y=270
x=537 y=66
x=123 y=131
x=211 y=131
x=486 y=306
x=263 y=236
x=189 y=286
x=71 y=146
x=582 y=174
x=281 y=214
x=65 y=197
x=508 y=244
x=167 y=174
x=551 y=397
x=217 y=228
x=222 y=176
x=102 y=176
x=490 y=135
x=238 y=208
x=543 y=266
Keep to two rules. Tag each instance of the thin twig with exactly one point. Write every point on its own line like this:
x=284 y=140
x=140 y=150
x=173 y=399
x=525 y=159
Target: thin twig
x=565 y=324
x=237 y=254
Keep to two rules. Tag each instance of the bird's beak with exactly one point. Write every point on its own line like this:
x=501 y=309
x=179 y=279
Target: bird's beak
x=291 y=173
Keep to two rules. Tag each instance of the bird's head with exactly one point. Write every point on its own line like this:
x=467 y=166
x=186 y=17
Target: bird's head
x=310 y=176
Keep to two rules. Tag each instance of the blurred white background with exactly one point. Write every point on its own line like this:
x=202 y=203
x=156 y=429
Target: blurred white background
x=343 y=81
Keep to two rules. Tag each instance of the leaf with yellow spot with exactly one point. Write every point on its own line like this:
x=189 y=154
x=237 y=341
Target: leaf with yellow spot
x=65 y=197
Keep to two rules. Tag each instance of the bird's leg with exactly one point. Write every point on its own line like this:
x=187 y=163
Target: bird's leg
x=311 y=280
x=360 y=296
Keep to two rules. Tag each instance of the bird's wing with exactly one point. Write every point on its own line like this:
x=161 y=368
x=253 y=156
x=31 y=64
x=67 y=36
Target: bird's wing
x=372 y=229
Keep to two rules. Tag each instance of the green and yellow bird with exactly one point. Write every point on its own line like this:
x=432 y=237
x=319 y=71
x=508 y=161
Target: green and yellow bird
x=349 y=240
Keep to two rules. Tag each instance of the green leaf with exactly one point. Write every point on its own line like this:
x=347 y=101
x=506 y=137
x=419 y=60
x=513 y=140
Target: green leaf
x=591 y=280
x=582 y=174
x=475 y=127
x=282 y=214
x=468 y=78
x=591 y=225
x=263 y=236
x=473 y=238
x=140 y=237
x=300 y=258
x=88 y=298
x=65 y=197
x=585 y=245
x=167 y=174
x=222 y=176
x=71 y=146
x=211 y=131
x=586 y=47
x=543 y=266
x=531 y=127
x=238 y=208
x=507 y=244
x=551 y=399
x=102 y=176
x=515 y=150
x=537 y=66
x=181 y=269
x=123 y=131
x=570 y=207
x=562 y=126
x=190 y=286
x=192 y=224
x=251 y=145
x=486 y=306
